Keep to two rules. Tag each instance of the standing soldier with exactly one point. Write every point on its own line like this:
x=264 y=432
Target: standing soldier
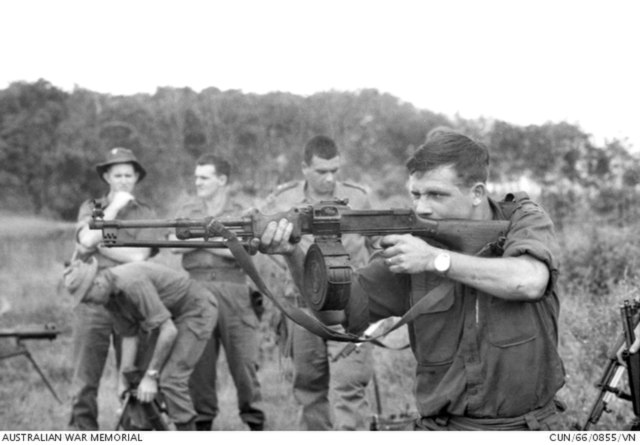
x=93 y=325
x=312 y=355
x=237 y=328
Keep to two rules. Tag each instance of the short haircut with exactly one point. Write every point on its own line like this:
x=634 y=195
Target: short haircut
x=321 y=146
x=448 y=148
x=439 y=130
x=222 y=166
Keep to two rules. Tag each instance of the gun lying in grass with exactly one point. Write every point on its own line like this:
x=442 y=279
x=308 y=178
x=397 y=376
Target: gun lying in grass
x=47 y=332
x=610 y=384
x=327 y=274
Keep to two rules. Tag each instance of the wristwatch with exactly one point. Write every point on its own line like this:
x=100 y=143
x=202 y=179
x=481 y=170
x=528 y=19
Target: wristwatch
x=153 y=373
x=442 y=263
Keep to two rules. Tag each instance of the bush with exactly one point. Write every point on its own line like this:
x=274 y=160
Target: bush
x=595 y=259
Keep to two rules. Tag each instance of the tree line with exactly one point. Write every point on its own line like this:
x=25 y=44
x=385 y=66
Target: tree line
x=50 y=141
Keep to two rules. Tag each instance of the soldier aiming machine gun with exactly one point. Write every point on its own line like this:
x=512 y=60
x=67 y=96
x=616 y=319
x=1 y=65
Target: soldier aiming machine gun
x=327 y=273
x=610 y=385
x=48 y=332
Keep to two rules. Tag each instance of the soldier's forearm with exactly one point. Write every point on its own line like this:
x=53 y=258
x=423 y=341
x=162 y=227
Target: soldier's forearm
x=129 y=351
x=164 y=344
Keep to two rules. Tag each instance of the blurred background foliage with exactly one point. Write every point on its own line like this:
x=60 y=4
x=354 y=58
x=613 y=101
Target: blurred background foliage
x=51 y=139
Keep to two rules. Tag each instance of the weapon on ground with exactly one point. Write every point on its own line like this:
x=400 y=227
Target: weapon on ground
x=610 y=384
x=47 y=332
x=327 y=272
x=138 y=416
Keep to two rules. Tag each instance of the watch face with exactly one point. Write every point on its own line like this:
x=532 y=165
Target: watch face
x=442 y=262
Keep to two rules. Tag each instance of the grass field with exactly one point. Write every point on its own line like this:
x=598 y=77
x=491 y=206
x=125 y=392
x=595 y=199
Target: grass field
x=34 y=251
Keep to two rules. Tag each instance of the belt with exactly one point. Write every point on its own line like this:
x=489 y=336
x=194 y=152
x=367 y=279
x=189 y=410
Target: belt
x=532 y=421
x=228 y=275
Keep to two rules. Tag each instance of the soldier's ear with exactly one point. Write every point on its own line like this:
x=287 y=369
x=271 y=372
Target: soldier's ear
x=479 y=192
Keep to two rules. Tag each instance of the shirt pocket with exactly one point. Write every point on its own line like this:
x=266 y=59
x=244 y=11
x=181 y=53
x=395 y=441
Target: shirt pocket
x=437 y=331
x=510 y=323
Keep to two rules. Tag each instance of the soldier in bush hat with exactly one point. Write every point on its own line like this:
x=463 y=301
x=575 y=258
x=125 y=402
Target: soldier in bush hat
x=93 y=325
x=121 y=155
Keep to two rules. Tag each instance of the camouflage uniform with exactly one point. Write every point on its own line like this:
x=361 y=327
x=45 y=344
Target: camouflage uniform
x=314 y=372
x=237 y=329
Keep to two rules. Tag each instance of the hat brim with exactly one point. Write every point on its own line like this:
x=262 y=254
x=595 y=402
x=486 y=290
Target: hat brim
x=102 y=169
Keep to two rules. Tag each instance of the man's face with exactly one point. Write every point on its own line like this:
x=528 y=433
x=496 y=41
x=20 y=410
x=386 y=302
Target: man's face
x=439 y=194
x=121 y=177
x=208 y=182
x=321 y=174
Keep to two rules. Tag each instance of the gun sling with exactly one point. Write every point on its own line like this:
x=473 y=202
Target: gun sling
x=311 y=323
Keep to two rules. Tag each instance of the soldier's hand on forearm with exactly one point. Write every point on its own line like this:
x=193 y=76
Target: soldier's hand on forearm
x=147 y=389
x=275 y=238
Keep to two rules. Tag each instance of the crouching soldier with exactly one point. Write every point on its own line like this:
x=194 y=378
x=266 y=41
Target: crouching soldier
x=146 y=297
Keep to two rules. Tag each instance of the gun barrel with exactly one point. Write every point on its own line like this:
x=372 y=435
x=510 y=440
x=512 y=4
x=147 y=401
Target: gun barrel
x=30 y=335
x=99 y=224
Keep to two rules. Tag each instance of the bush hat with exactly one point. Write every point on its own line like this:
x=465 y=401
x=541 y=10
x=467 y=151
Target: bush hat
x=78 y=277
x=121 y=155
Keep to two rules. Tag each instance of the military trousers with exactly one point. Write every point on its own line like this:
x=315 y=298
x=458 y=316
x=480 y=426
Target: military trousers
x=93 y=334
x=315 y=374
x=237 y=333
x=194 y=333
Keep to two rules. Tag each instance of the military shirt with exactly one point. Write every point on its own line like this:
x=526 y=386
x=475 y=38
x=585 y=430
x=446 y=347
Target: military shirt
x=477 y=355
x=148 y=294
x=295 y=193
x=133 y=210
x=196 y=208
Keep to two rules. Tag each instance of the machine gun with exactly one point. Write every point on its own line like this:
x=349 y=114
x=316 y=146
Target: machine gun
x=47 y=332
x=610 y=384
x=327 y=272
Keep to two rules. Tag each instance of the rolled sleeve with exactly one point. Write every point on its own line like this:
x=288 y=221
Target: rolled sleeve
x=532 y=233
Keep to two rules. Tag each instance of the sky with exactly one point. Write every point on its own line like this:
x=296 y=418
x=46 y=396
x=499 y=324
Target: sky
x=524 y=62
